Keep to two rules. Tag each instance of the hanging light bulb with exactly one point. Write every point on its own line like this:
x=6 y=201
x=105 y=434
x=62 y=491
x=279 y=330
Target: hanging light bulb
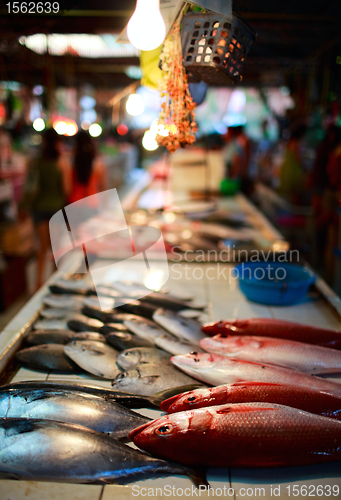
x=146 y=29
x=134 y=105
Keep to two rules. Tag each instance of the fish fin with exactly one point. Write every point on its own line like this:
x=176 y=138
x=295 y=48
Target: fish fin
x=198 y=476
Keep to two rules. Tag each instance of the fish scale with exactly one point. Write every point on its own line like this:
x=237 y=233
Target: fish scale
x=242 y=435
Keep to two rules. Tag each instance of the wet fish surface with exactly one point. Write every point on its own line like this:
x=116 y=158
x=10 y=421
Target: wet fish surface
x=267 y=327
x=174 y=345
x=81 y=323
x=94 y=357
x=139 y=308
x=287 y=353
x=47 y=337
x=302 y=398
x=242 y=435
x=64 y=301
x=113 y=328
x=68 y=406
x=122 y=341
x=167 y=301
x=56 y=313
x=183 y=328
x=144 y=328
x=130 y=358
x=217 y=370
x=148 y=379
x=47 y=357
x=45 y=450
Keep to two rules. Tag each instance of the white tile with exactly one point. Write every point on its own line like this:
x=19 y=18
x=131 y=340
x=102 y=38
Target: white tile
x=156 y=484
x=238 y=309
x=309 y=312
x=31 y=490
x=284 y=478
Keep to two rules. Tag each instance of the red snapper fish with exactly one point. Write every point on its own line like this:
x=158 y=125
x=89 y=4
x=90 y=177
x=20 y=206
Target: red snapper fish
x=216 y=370
x=310 y=400
x=278 y=328
x=280 y=352
x=242 y=435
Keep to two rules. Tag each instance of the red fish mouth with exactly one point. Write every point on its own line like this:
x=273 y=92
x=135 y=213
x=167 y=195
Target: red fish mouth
x=135 y=432
x=167 y=403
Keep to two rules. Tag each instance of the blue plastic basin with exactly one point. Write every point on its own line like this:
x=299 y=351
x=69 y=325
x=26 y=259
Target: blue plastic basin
x=274 y=283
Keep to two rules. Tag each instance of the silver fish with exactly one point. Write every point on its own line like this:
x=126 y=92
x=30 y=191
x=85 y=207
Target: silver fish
x=94 y=357
x=45 y=450
x=183 y=328
x=95 y=412
x=73 y=285
x=56 y=313
x=144 y=328
x=106 y=303
x=81 y=323
x=126 y=340
x=64 y=301
x=130 y=358
x=149 y=378
x=123 y=398
x=48 y=337
x=51 y=324
x=167 y=301
x=47 y=357
x=175 y=346
x=63 y=324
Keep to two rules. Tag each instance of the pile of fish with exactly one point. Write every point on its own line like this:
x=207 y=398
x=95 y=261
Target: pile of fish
x=75 y=432
x=74 y=335
x=266 y=407
x=237 y=394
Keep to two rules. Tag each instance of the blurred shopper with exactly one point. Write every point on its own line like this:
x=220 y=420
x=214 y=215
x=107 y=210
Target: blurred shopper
x=291 y=174
x=5 y=148
x=50 y=178
x=264 y=157
x=89 y=172
x=237 y=156
x=325 y=184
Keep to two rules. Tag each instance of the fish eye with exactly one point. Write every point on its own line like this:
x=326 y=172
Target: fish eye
x=223 y=335
x=121 y=376
x=191 y=399
x=164 y=430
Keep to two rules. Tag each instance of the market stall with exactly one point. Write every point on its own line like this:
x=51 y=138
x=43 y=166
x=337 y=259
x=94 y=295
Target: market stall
x=213 y=284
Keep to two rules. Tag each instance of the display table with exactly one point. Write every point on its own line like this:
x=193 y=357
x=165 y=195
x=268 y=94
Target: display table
x=211 y=282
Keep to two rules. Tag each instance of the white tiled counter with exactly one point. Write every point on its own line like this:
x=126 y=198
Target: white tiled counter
x=211 y=283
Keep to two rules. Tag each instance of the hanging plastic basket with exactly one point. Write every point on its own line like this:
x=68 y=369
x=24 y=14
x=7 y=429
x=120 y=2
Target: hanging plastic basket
x=214 y=47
